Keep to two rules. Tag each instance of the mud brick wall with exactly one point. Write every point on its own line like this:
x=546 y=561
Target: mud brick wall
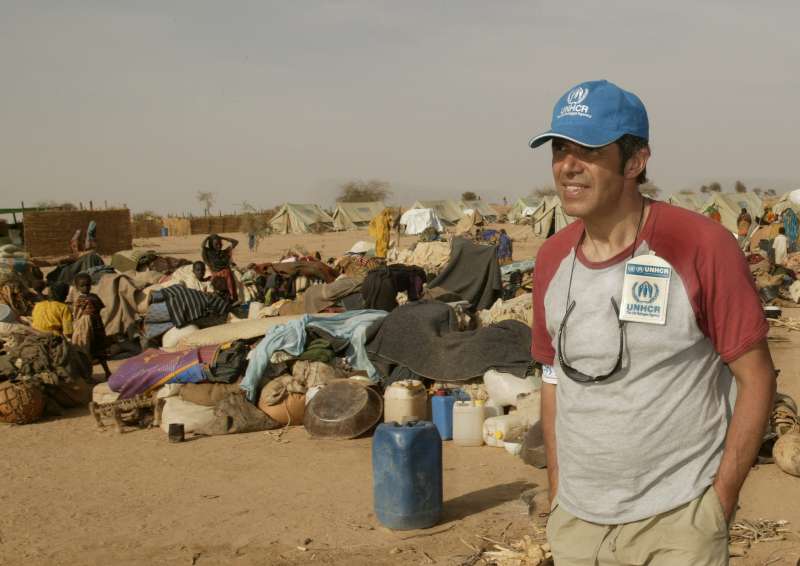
x=150 y=228
x=177 y=226
x=215 y=224
x=47 y=233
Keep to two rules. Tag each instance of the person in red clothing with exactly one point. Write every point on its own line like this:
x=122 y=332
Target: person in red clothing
x=647 y=323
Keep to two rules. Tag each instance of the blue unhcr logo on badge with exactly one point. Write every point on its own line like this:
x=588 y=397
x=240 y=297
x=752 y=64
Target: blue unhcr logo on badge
x=647 y=270
x=645 y=292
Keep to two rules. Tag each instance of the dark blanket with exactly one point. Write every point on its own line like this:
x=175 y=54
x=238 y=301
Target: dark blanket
x=472 y=273
x=424 y=338
x=187 y=305
x=65 y=273
x=381 y=285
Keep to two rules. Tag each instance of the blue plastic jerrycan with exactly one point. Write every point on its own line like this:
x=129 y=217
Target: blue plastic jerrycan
x=442 y=413
x=407 y=475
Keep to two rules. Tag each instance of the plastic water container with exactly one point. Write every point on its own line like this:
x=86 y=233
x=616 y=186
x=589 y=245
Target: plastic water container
x=468 y=417
x=492 y=409
x=164 y=231
x=407 y=475
x=405 y=401
x=503 y=388
x=442 y=410
x=495 y=429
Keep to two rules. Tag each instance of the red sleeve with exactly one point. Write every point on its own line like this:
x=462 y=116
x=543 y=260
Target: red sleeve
x=731 y=314
x=542 y=347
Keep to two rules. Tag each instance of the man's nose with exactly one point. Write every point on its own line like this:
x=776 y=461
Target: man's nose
x=570 y=164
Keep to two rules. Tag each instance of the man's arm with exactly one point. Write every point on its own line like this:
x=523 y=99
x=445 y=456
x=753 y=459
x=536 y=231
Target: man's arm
x=549 y=434
x=755 y=380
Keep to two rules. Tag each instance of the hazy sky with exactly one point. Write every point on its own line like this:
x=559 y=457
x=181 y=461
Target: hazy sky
x=145 y=103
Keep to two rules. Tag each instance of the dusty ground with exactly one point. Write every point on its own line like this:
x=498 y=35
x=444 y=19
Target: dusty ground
x=72 y=494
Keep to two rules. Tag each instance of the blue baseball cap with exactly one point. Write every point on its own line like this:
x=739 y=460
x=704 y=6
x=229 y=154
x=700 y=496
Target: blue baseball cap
x=594 y=114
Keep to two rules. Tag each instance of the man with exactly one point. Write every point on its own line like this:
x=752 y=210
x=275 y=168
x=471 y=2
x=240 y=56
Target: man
x=743 y=223
x=645 y=459
x=780 y=245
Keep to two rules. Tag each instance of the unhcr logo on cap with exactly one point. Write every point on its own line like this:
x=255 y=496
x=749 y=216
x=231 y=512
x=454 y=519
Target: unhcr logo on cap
x=574 y=106
x=577 y=95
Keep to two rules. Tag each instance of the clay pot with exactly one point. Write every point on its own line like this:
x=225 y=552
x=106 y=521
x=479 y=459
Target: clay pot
x=787 y=452
x=20 y=403
x=289 y=411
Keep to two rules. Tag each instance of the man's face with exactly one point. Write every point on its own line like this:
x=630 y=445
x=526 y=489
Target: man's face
x=588 y=180
x=199 y=270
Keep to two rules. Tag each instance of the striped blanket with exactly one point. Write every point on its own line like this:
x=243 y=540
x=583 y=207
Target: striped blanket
x=188 y=305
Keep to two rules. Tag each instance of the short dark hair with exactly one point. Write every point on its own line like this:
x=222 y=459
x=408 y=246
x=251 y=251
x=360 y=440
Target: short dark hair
x=59 y=292
x=781 y=230
x=629 y=145
x=82 y=277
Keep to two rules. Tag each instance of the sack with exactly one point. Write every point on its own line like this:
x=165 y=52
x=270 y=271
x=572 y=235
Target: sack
x=316 y=373
x=290 y=411
x=192 y=416
x=174 y=335
x=207 y=394
x=20 y=402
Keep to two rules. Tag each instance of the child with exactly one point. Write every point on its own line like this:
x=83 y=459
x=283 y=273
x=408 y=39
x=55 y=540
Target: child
x=89 y=334
x=52 y=314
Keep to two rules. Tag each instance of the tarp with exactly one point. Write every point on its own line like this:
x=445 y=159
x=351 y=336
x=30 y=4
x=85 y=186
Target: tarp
x=417 y=220
x=482 y=207
x=525 y=206
x=786 y=201
x=730 y=205
x=448 y=211
x=688 y=201
x=355 y=215
x=550 y=217
x=300 y=219
x=153 y=368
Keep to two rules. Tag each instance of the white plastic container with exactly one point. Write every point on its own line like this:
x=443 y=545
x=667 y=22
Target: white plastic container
x=529 y=406
x=495 y=429
x=255 y=308
x=492 y=409
x=468 y=417
x=503 y=388
x=405 y=401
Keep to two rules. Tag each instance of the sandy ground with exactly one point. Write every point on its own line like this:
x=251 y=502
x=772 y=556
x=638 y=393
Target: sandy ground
x=72 y=494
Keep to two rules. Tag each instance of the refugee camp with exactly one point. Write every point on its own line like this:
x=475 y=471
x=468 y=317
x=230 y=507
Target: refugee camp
x=265 y=300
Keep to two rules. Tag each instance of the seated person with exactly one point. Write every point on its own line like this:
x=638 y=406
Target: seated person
x=52 y=314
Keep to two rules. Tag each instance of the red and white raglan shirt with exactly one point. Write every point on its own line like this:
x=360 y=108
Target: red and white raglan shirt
x=649 y=438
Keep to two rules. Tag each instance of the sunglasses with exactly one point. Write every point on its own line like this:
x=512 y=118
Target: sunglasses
x=579 y=376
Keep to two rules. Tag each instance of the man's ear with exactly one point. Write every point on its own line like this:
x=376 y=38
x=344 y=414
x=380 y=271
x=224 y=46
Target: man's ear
x=637 y=163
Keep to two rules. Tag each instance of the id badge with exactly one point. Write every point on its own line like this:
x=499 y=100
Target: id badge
x=645 y=290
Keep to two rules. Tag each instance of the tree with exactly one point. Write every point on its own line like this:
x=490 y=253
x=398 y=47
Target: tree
x=715 y=187
x=757 y=191
x=771 y=193
x=649 y=189
x=206 y=198
x=364 y=191
x=469 y=196
x=544 y=191
x=740 y=187
x=686 y=192
x=704 y=189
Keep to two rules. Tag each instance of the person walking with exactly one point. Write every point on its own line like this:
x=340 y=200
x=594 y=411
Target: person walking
x=648 y=325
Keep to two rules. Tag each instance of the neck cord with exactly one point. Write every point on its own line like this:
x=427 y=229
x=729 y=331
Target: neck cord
x=580 y=241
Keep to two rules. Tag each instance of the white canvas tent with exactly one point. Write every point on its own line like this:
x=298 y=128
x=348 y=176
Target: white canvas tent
x=549 y=217
x=416 y=220
x=448 y=211
x=787 y=200
x=688 y=201
x=355 y=215
x=487 y=212
x=300 y=219
x=523 y=208
x=731 y=204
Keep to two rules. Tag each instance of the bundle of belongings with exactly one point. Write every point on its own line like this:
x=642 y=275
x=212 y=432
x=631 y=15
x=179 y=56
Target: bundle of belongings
x=197 y=387
x=472 y=274
x=41 y=374
x=140 y=260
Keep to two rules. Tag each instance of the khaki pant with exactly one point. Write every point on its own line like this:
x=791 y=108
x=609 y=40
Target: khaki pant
x=694 y=534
